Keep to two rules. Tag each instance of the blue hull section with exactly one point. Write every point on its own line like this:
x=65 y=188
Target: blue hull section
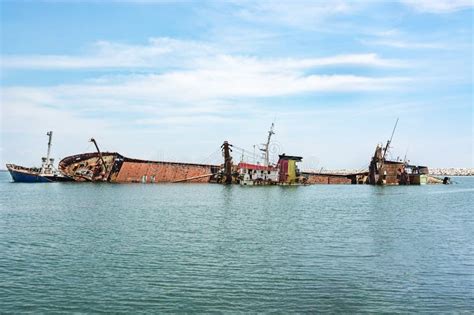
x=24 y=177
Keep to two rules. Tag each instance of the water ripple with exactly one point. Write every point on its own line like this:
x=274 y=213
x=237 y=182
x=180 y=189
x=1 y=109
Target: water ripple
x=67 y=248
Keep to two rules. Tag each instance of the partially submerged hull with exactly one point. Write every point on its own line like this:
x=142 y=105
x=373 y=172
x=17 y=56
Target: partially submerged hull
x=115 y=168
x=390 y=173
x=32 y=175
x=334 y=179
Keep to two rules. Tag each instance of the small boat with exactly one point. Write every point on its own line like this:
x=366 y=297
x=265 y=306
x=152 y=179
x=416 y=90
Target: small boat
x=34 y=175
x=44 y=174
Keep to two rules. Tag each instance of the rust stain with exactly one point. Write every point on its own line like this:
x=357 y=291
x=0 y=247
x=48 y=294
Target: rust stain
x=162 y=172
x=327 y=179
x=119 y=169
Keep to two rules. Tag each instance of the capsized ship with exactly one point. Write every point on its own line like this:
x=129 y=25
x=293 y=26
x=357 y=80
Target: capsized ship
x=115 y=168
x=44 y=174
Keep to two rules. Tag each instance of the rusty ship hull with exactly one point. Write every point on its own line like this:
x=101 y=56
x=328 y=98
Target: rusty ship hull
x=115 y=168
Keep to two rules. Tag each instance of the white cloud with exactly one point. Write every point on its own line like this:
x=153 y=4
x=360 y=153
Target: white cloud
x=285 y=64
x=439 y=6
x=302 y=13
x=403 y=44
x=165 y=53
x=103 y=54
x=194 y=88
x=213 y=93
x=202 y=83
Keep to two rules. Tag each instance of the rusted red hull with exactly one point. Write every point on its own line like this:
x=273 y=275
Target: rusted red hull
x=338 y=179
x=116 y=168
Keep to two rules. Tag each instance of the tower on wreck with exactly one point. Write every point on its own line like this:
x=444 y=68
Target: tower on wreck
x=388 y=172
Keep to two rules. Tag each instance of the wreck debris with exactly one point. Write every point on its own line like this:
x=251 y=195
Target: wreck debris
x=102 y=165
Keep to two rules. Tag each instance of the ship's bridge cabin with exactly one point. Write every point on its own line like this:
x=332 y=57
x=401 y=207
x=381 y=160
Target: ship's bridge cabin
x=289 y=172
x=256 y=174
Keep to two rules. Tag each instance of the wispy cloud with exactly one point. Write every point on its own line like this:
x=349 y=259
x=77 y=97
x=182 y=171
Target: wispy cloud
x=206 y=91
x=103 y=54
x=186 y=80
x=167 y=52
x=438 y=6
x=193 y=88
x=187 y=83
x=302 y=14
x=283 y=64
x=404 y=44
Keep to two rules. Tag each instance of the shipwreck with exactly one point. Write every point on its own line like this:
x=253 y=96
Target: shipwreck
x=251 y=169
x=383 y=171
x=115 y=168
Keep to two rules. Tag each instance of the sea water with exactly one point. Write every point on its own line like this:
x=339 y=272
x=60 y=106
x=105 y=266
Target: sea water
x=85 y=247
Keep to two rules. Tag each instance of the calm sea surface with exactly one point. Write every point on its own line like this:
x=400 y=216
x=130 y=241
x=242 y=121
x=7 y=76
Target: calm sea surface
x=198 y=248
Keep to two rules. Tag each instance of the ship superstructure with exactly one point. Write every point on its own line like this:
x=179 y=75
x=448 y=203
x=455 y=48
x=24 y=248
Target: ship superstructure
x=46 y=173
x=257 y=172
x=383 y=171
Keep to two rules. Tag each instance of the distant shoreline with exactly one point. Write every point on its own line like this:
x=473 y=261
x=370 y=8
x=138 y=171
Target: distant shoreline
x=467 y=175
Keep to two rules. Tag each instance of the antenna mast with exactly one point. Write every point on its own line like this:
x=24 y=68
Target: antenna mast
x=47 y=161
x=50 y=135
x=390 y=141
x=266 y=146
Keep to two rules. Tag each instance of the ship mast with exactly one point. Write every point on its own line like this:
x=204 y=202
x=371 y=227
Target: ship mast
x=50 y=138
x=387 y=146
x=47 y=163
x=382 y=159
x=266 y=146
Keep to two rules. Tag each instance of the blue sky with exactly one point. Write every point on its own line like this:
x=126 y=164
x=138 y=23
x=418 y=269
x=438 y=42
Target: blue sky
x=173 y=80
